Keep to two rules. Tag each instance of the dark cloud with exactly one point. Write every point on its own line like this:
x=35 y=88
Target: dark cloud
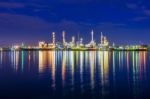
x=140 y=18
x=142 y=11
x=132 y=6
x=79 y=1
x=112 y=24
x=17 y=21
x=146 y=12
x=11 y=5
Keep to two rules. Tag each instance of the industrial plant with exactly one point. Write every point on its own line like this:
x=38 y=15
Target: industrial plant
x=76 y=45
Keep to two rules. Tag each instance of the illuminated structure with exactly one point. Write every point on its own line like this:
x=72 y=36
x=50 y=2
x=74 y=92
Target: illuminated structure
x=92 y=44
x=77 y=45
x=52 y=45
x=81 y=42
x=53 y=37
x=103 y=41
x=101 y=38
x=92 y=33
x=72 y=43
x=64 y=40
x=73 y=40
x=42 y=44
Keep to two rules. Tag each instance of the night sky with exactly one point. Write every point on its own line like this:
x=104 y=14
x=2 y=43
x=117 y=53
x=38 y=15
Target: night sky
x=29 y=21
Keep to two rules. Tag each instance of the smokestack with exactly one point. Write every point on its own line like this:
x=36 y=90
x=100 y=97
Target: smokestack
x=53 y=34
x=101 y=38
x=63 y=34
x=73 y=39
x=92 y=33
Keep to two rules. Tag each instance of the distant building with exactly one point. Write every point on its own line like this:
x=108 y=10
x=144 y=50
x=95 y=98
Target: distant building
x=103 y=41
x=79 y=44
x=92 y=44
x=64 y=39
x=53 y=34
x=72 y=43
x=42 y=44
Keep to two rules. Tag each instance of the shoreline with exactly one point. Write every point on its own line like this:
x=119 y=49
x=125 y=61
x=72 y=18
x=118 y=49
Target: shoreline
x=92 y=49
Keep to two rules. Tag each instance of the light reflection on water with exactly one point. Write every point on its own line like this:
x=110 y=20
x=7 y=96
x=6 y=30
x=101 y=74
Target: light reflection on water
x=102 y=73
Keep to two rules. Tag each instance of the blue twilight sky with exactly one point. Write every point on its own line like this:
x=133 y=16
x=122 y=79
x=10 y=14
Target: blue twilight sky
x=28 y=21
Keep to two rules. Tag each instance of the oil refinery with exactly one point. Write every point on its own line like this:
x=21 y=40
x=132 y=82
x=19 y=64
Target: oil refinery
x=77 y=45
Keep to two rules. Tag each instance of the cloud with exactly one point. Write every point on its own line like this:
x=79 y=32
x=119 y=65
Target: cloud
x=111 y=24
x=132 y=6
x=31 y=23
x=146 y=12
x=140 y=18
x=17 y=21
x=141 y=10
x=79 y=1
x=11 y=5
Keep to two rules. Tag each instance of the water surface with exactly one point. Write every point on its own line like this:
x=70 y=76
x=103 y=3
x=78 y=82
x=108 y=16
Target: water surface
x=74 y=74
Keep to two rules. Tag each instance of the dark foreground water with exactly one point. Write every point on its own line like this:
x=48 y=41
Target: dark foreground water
x=74 y=75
